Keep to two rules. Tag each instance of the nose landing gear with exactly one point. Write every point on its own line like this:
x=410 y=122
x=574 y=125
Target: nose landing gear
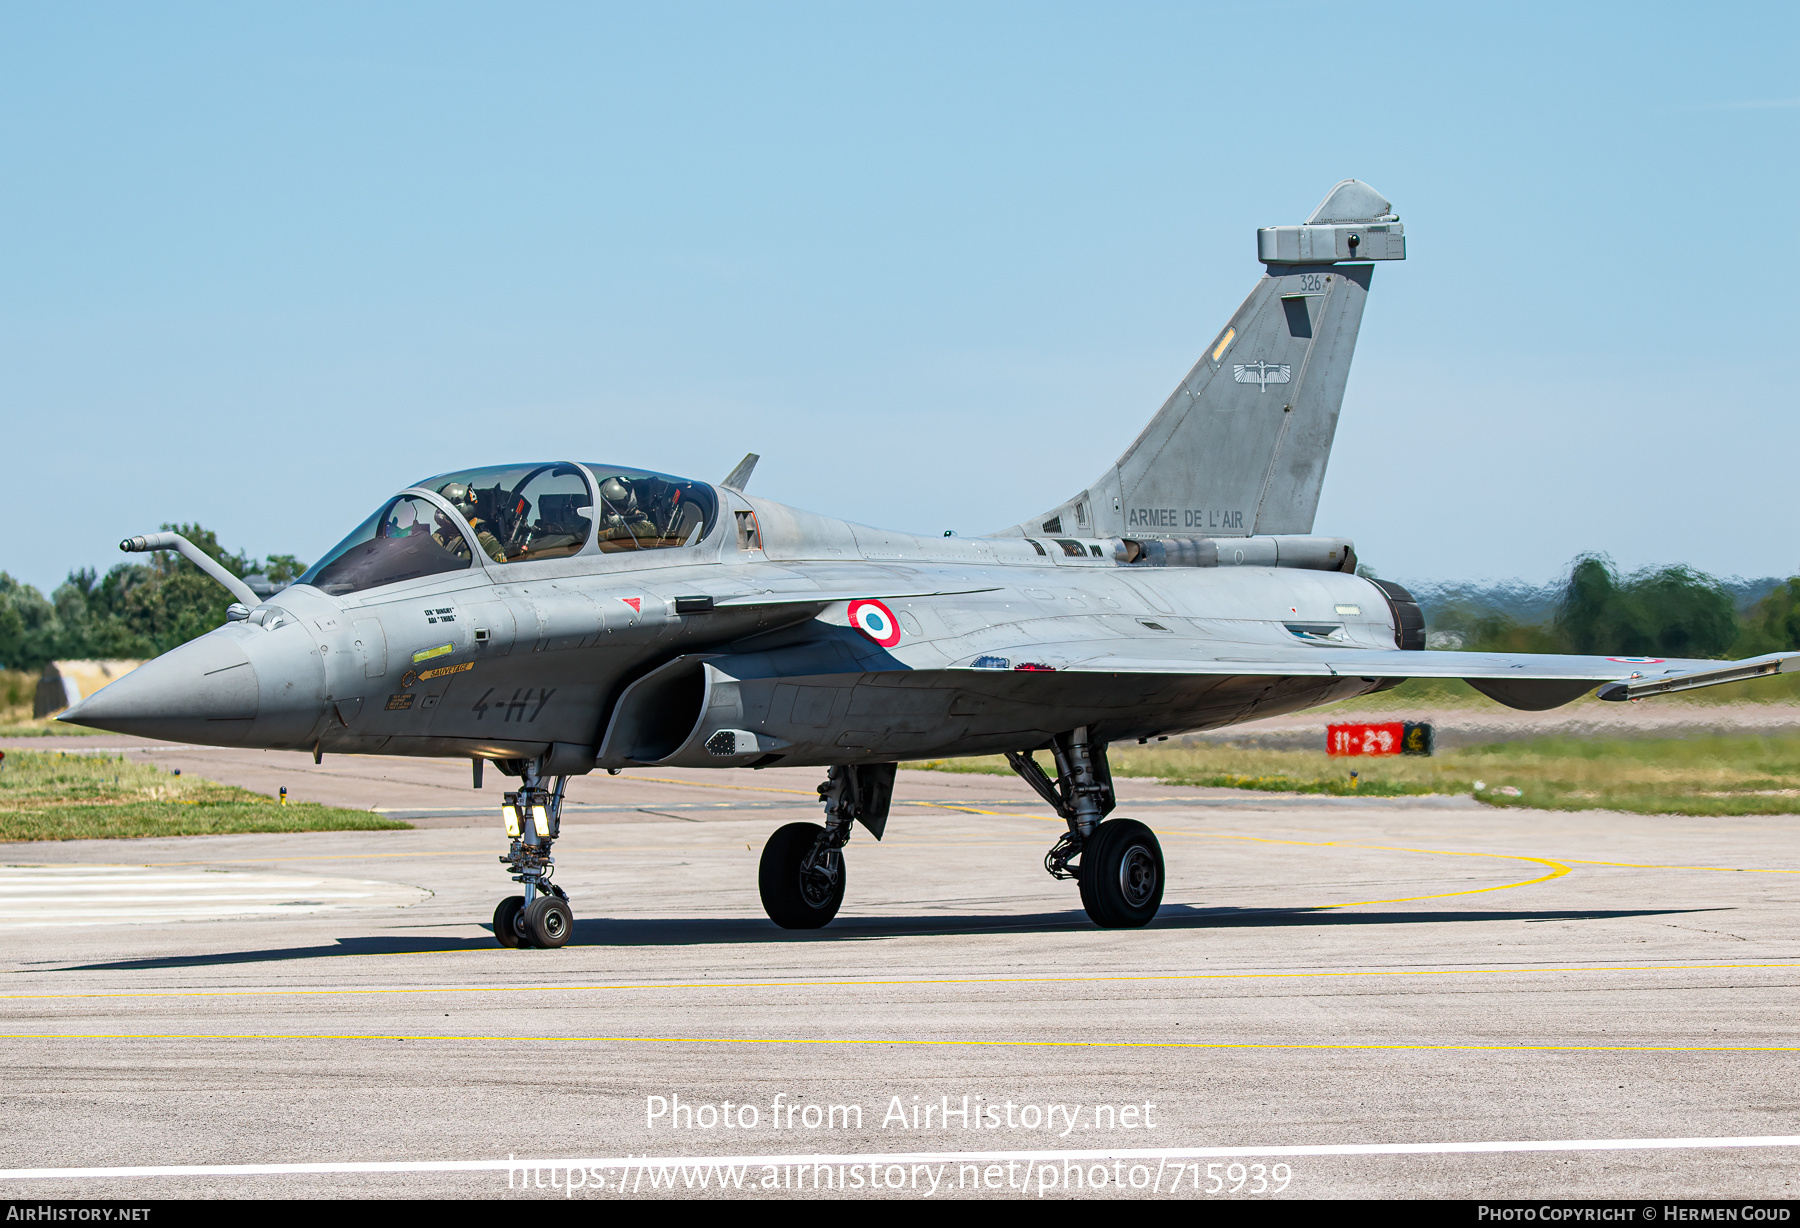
x=1120 y=867
x=542 y=916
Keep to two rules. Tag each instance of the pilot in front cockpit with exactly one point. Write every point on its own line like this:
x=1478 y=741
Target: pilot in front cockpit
x=462 y=499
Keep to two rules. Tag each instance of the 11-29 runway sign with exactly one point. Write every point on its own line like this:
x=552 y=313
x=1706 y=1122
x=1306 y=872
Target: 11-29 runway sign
x=1382 y=738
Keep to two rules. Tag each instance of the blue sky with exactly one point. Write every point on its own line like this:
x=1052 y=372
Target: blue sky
x=263 y=265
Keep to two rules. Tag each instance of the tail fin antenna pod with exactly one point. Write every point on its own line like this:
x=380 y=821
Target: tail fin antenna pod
x=1241 y=445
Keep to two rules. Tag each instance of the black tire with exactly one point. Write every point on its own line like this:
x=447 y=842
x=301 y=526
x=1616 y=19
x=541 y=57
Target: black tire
x=549 y=921
x=793 y=898
x=506 y=921
x=1122 y=874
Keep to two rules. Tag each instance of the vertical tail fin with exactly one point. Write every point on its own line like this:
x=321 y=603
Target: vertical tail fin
x=1240 y=447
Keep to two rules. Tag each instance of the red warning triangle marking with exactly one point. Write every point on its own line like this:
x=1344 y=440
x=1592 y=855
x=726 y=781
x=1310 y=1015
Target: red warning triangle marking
x=636 y=603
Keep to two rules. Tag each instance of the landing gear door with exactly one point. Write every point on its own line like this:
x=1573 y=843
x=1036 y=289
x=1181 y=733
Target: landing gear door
x=874 y=795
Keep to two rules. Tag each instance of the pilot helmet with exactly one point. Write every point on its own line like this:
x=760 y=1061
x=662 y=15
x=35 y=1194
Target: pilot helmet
x=617 y=492
x=458 y=496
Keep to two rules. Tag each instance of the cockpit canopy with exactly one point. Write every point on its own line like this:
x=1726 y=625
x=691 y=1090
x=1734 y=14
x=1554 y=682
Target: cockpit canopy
x=521 y=512
x=517 y=514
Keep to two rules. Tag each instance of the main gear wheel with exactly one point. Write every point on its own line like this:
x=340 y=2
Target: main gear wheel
x=1121 y=874
x=801 y=881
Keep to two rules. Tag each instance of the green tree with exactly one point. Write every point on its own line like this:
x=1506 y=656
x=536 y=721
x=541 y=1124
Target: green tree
x=28 y=625
x=181 y=601
x=1499 y=633
x=138 y=609
x=1773 y=624
x=92 y=613
x=1664 y=612
x=283 y=568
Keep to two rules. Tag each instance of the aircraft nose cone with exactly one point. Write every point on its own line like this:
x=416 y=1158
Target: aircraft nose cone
x=204 y=691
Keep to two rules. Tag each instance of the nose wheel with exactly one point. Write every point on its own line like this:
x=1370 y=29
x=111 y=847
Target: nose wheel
x=548 y=920
x=507 y=930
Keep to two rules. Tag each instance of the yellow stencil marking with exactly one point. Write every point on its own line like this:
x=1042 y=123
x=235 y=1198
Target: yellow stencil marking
x=446 y=670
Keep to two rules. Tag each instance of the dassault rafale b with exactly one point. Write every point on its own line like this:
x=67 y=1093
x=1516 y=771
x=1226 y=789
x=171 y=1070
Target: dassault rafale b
x=561 y=617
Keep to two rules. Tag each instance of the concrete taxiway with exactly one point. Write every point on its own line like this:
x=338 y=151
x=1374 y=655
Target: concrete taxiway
x=1324 y=972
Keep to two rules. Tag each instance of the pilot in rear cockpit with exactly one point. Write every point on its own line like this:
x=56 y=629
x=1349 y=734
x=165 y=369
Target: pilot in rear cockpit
x=462 y=499
x=620 y=515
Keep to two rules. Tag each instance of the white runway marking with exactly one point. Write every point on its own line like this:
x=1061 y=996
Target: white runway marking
x=1151 y=1154
x=41 y=896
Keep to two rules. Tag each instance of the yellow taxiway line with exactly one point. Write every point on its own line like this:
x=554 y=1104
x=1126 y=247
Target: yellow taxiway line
x=850 y=983
x=1557 y=868
x=1255 y=1046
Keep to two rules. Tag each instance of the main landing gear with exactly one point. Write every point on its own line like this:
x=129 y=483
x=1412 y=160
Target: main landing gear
x=1117 y=862
x=1120 y=867
x=541 y=917
x=802 y=875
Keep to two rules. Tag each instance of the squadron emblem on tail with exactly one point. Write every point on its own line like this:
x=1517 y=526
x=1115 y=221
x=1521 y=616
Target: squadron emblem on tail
x=1261 y=373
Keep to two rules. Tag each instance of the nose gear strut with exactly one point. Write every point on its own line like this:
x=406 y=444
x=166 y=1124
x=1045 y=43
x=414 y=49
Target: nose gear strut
x=541 y=917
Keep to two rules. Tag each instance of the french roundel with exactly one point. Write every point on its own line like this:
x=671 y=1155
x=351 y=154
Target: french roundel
x=875 y=621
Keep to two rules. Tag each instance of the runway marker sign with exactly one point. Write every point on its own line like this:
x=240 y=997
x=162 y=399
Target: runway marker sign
x=1383 y=738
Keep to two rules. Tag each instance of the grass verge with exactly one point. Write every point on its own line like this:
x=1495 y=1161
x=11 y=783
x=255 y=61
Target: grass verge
x=1724 y=775
x=44 y=727
x=52 y=795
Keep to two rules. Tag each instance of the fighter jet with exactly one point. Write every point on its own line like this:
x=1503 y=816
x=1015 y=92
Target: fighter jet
x=563 y=617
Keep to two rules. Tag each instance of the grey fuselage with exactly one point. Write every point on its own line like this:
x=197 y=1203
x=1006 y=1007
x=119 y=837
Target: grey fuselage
x=739 y=649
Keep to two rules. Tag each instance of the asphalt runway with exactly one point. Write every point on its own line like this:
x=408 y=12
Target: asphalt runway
x=1326 y=975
